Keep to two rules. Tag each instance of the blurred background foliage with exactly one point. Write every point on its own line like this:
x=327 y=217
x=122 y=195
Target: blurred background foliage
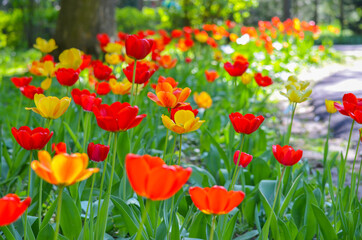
x=21 y=21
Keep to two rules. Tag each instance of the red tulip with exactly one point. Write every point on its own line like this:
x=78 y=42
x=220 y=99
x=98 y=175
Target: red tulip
x=86 y=61
x=245 y=158
x=103 y=88
x=357 y=116
x=138 y=48
x=11 y=208
x=185 y=107
x=103 y=39
x=117 y=116
x=67 y=76
x=246 y=124
x=150 y=177
x=47 y=57
x=35 y=139
x=188 y=60
x=286 y=155
x=350 y=104
x=101 y=71
x=59 y=148
x=97 y=152
x=211 y=75
x=21 y=81
x=215 y=200
x=236 y=69
x=143 y=72
x=262 y=81
x=77 y=95
x=29 y=91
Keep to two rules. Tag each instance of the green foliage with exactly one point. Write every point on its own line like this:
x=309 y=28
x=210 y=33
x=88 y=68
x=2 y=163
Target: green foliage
x=130 y=19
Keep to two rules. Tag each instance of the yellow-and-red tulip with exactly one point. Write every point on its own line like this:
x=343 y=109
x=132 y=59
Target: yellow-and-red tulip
x=184 y=122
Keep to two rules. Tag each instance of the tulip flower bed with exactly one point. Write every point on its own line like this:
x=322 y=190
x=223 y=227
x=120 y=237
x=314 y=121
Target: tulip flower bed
x=164 y=164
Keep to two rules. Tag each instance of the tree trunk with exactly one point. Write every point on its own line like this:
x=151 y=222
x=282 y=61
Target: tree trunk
x=316 y=11
x=80 y=21
x=287 y=5
x=341 y=16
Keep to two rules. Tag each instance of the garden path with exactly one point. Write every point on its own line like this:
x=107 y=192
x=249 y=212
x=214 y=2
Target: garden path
x=330 y=82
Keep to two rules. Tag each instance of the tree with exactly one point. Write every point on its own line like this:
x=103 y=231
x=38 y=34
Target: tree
x=80 y=21
x=287 y=6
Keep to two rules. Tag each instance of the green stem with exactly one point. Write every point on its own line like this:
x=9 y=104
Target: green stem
x=133 y=80
x=171 y=214
x=40 y=201
x=28 y=193
x=170 y=162
x=353 y=179
x=58 y=212
x=359 y=176
x=180 y=150
x=109 y=190
x=325 y=155
x=90 y=199
x=143 y=219
x=342 y=176
x=289 y=133
x=275 y=198
x=213 y=227
x=237 y=164
x=86 y=130
x=103 y=175
x=165 y=148
x=19 y=107
x=136 y=95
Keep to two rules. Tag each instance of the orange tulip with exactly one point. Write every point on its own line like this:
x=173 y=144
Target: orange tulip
x=169 y=97
x=63 y=169
x=167 y=62
x=215 y=200
x=203 y=100
x=150 y=177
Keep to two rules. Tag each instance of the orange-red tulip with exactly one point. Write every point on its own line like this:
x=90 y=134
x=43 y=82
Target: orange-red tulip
x=286 y=155
x=215 y=200
x=150 y=177
x=11 y=208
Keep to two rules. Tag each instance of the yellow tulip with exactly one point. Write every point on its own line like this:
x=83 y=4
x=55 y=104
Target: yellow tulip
x=203 y=100
x=113 y=48
x=297 y=91
x=120 y=88
x=46 y=83
x=246 y=78
x=44 y=45
x=50 y=107
x=330 y=106
x=184 y=122
x=112 y=59
x=63 y=169
x=48 y=69
x=70 y=58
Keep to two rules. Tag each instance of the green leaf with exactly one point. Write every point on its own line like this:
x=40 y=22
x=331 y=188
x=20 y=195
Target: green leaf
x=220 y=150
x=324 y=224
x=198 y=226
x=260 y=169
x=290 y=194
x=46 y=232
x=7 y=233
x=128 y=216
x=248 y=235
x=161 y=231
x=175 y=231
x=199 y=174
x=74 y=137
x=70 y=220
x=229 y=232
x=266 y=189
x=48 y=215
